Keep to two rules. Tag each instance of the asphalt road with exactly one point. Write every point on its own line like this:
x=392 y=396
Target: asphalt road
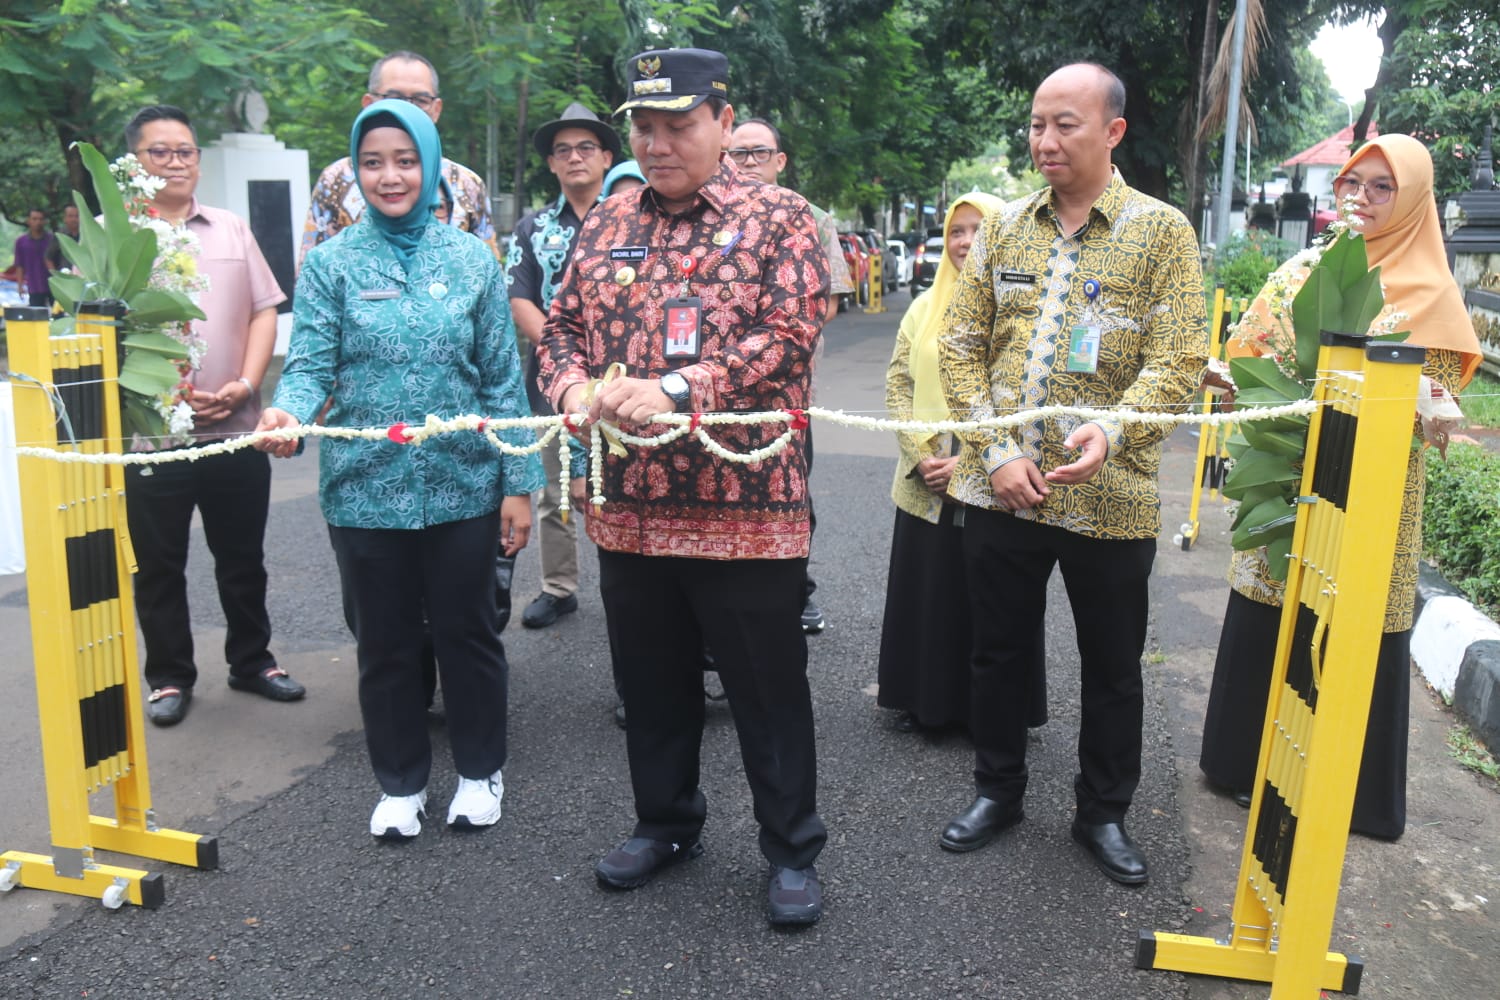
x=305 y=904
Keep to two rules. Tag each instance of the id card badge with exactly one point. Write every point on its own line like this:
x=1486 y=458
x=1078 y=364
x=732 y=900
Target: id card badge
x=1083 y=349
x=683 y=334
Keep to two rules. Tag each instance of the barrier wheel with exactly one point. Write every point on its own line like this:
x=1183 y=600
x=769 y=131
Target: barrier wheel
x=10 y=877
x=115 y=896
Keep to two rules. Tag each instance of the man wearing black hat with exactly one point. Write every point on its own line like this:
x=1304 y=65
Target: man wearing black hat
x=579 y=150
x=711 y=292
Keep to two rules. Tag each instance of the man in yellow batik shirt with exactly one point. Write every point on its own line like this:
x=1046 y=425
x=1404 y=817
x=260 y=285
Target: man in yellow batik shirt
x=1088 y=294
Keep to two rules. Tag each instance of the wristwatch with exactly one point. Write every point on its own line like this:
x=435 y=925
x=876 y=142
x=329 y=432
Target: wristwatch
x=677 y=389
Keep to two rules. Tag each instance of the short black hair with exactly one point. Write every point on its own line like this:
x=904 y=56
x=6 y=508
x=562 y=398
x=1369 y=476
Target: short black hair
x=405 y=56
x=37 y=209
x=775 y=132
x=155 y=113
x=716 y=104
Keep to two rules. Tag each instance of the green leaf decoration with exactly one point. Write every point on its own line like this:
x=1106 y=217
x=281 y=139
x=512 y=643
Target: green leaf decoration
x=1276 y=442
x=111 y=201
x=136 y=257
x=1257 y=468
x=1307 y=323
x=93 y=261
x=148 y=374
x=155 y=342
x=68 y=290
x=1257 y=495
x=1363 y=301
x=1270 y=518
x=1278 y=551
x=1265 y=373
x=157 y=306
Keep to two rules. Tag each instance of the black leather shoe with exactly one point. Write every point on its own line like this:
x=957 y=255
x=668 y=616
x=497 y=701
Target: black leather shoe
x=272 y=683
x=1241 y=799
x=168 y=706
x=1113 y=849
x=794 y=897
x=633 y=863
x=906 y=722
x=620 y=712
x=548 y=608
x=979 y=824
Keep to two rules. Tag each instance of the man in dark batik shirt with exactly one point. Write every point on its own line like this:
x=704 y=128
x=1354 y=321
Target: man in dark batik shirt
x=711 y=291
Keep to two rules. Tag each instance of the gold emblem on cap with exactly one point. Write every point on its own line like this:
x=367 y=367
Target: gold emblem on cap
x=625 y=275
x=658 y=86
x=649 y=67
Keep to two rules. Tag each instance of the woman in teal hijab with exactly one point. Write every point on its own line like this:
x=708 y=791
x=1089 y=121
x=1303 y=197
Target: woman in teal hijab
x=396 y=318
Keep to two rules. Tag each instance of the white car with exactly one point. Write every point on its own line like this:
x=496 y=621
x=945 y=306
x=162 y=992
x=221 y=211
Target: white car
x=903 y=257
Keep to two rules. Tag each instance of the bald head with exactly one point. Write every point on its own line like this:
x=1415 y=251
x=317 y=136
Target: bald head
x=1084 y=77
x=1076 y=121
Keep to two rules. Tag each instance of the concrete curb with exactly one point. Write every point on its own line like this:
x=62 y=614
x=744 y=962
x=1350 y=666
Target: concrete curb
x=1457 y=648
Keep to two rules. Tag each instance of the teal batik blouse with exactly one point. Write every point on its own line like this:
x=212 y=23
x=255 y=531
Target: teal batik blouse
x=392 y=345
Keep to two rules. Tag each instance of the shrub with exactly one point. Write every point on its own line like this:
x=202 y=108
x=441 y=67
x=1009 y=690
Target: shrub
x=1461 y=521
x=1246 y=259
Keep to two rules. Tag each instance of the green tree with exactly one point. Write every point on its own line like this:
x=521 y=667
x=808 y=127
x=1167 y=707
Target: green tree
x=77 y=69
x=1443 y=88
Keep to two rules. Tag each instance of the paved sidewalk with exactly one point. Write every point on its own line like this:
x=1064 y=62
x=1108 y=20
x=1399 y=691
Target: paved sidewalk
x=306 y=905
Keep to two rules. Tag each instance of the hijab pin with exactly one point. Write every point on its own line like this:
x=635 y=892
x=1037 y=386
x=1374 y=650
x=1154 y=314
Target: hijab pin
x=437 y=289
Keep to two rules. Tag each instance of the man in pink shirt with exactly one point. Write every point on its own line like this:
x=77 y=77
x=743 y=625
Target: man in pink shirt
x=231 y=492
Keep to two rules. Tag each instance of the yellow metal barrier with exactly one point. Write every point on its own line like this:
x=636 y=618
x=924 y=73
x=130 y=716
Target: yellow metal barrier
x=1213 y=441
x=78 y=565
x=875 y=284
x=1320 y=690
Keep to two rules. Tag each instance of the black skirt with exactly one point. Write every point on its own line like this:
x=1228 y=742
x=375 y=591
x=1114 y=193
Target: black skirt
x=927 y=631
x=1237 y=710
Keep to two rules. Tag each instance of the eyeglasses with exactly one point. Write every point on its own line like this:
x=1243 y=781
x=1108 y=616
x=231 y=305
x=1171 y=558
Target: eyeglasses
x=421 y=99
x=583 y=149
x=747 y=154
x=1376 y=192
x=162 y=155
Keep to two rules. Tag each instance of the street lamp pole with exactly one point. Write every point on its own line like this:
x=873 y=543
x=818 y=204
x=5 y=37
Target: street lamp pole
x=1231 y=125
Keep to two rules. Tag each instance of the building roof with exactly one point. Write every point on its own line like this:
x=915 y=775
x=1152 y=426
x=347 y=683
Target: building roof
x=1332 y=151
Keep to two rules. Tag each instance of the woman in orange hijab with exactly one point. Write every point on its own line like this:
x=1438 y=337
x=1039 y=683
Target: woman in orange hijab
x=1386 y=190
x=925 y=637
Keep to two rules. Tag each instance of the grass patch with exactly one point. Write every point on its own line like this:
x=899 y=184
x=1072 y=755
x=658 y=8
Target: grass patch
x=1465 y=748
x=1481 y=400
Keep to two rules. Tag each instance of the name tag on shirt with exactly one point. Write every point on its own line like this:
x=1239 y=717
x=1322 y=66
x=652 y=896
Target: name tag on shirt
x=633 y=255
x=377 y=294
x=1017 y=278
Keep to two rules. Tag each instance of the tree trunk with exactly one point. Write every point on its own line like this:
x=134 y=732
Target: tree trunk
x=1195 y=160
x=1390 y=29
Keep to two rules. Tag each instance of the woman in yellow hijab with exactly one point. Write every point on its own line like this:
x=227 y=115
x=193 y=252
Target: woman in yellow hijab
x=924 y=641
x=1386 y=189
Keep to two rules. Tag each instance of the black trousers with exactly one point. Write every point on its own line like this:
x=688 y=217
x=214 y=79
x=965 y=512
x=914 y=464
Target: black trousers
x=660 y=612
x=232 y=494
x=389 y=577
x=1008 y=561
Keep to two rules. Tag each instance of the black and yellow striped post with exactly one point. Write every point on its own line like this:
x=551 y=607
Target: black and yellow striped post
x=78 y=566
x=1314 y=734
x=1213 y=439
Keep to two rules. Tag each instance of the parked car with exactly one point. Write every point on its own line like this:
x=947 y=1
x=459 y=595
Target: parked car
x=904 y=260
x=924 y=268
x=859 y=268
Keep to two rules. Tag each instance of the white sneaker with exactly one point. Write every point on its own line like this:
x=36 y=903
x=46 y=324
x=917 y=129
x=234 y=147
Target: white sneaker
x=477 y=801
x=398 y=817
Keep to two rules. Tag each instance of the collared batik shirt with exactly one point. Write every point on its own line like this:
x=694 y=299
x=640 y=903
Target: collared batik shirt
x=762 y=278
x=392 y=345
x=1009 y=329
x=338 y=203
